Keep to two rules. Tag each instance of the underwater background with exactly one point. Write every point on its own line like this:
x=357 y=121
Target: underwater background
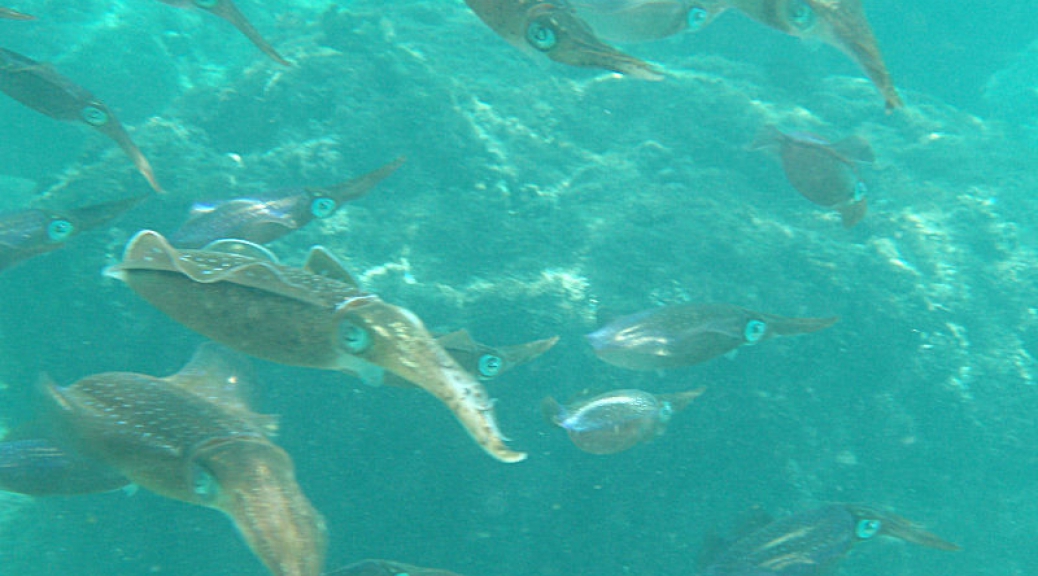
x=539 y=200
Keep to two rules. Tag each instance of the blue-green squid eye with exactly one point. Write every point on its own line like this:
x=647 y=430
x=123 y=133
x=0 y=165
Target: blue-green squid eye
x=323 y=207
x=697 y=18
x=59 y=230
x=541 y=35
x=489 y=365
x=867 y=528
x=203 y=483
x=800 y=15
x=207 y=4
x=94 y=115
x=354 y=338
x=860 y=189
x=666 y=411
x=754 y=331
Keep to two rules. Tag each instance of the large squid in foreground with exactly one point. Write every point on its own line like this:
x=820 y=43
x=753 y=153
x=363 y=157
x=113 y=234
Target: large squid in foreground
x=228 y=11
x=555 y=30
x=40 y=87
x=189 y=437
x=316 y=316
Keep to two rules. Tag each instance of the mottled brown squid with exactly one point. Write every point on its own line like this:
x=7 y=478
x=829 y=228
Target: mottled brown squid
x=189 y=437
x=316 y=316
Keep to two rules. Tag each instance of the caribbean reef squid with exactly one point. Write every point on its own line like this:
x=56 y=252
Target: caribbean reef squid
x=227 y=10
x=812 y=542
x=555 y=30
x=315 y=316
x=189 y=437
x=685 y=334
x=40 y=87
x=34 y=231
x=839 y=23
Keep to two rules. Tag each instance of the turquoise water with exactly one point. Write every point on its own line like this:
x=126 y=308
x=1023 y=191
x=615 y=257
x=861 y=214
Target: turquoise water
x=540 y=200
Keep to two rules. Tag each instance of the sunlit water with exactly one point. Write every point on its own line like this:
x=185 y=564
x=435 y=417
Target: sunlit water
x=539 y=200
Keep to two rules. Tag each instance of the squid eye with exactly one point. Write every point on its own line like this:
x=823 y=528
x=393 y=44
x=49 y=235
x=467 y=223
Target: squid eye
x=860 y=189
x=94 y=115
x=207 y=4
x=754 y=331
x=867 y=528
x=354 y=338
x=697 y=18
x=666 y=411
x=489 y=365
x=203 y=483
x=323 y=207
x=541 y=35
x=800 y=14
x=60 y=230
